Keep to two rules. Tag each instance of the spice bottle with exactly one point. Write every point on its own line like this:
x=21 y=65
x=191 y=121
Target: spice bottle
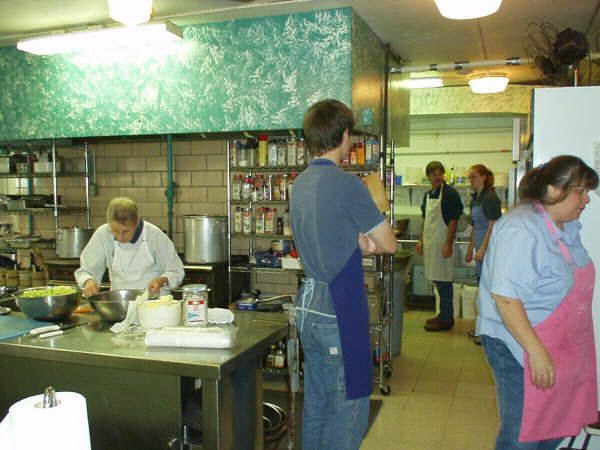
x=195 y=302
x=263 y=150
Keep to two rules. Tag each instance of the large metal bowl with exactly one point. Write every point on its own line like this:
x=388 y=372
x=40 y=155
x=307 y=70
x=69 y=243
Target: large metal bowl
x=53 y=308
x=112 y=305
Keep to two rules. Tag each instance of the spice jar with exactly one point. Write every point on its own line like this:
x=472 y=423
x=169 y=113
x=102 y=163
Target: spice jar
x=195 y=305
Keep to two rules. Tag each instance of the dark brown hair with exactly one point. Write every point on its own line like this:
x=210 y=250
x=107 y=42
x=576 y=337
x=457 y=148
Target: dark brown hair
x=484 y=172
x=324 y=125
x=563 y=172
x=433 y=166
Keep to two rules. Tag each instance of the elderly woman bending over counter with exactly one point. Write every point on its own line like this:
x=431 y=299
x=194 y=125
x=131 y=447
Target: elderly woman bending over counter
x=535 y=316
x=137 y=254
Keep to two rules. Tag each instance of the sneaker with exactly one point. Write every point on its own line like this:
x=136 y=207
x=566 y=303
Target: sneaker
x=439 y=325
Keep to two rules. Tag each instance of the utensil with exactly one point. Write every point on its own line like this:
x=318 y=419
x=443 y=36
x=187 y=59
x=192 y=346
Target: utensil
x=52 y=308
x=61 y=330
x=113 y=305
x=56 y=327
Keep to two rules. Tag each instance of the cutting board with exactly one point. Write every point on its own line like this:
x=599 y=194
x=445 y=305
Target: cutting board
x=12 y=327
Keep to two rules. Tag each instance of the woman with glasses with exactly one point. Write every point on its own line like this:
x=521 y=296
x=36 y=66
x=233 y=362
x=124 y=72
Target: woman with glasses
x=535 y=310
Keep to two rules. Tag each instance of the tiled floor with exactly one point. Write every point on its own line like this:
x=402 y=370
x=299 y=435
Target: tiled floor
x=442 y=394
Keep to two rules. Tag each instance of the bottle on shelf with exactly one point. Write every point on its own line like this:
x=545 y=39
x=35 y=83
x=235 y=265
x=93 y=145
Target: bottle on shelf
x=267 y=191
x=246 y=221
x=236 y=188
x=272 y=153
x=260 y=221
x=291 y=151
x=290 y=185
x=237 y=220
x=263 y=150
x=276 y=188
x=301 y=159
x=281 y=153
x=360 y=154
x=271 y=357
x=279 y=227
x=247 y=188
x=352 y=156
x=279 y=359
x=283 y=187
x=287 y=229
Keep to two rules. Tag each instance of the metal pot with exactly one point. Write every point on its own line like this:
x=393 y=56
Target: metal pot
x=205 y=239
x=70 y=242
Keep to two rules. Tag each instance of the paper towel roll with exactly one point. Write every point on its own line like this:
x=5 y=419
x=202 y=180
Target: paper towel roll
x=29 y=426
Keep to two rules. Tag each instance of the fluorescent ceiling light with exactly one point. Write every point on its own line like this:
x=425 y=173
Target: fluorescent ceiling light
x=130 y=12
x=420 y=83
x=107 y=38
x=467 y=9
x=488 y=85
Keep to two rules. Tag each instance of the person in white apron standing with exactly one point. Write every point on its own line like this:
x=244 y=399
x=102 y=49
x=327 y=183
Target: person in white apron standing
x=441 y=209
x=535 y=310
x=137 y=254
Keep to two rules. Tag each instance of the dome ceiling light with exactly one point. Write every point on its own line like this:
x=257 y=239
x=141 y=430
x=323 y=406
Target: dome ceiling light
x=467 y=9
x=490 y=84
x=130 y=12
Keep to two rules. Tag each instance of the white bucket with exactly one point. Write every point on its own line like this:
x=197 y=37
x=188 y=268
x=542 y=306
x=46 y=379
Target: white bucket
x=469 y=301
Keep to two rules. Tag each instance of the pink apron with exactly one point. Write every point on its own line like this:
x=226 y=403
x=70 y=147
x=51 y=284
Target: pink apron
x=568 y=335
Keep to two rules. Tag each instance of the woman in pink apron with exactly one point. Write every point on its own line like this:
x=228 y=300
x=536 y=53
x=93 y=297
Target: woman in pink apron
x=535 y=320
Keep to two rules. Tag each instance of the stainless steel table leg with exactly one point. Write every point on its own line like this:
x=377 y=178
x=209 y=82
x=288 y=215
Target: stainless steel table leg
x=232 y=410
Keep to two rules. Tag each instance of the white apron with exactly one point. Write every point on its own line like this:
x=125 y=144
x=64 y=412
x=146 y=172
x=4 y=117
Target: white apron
x=435 y=231
x=133 y=266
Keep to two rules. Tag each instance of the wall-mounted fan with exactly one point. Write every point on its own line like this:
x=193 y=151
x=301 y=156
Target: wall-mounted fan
x=556 y=53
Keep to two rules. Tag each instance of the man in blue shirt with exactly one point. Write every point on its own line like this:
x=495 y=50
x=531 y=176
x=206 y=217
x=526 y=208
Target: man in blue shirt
x=441 y=209
x=334 y=222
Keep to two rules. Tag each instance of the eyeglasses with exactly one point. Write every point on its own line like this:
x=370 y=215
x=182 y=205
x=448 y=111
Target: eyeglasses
x=580 y=190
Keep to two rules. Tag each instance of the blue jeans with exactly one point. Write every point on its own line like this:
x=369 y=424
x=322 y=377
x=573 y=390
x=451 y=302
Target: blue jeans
x=508 y=374
x=446 y=292
x=329 y=421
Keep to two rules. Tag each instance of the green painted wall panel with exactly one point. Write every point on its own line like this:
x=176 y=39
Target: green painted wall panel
x=229 y=76
x=368 y=76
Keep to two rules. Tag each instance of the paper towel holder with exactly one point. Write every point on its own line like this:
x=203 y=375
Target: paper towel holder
x=50 y=400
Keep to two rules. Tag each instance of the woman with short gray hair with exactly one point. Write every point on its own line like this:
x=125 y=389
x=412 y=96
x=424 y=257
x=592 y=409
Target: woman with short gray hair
x=137 y=254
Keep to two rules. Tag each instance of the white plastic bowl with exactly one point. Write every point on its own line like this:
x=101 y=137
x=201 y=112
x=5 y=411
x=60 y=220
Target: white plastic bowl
x=159 y=314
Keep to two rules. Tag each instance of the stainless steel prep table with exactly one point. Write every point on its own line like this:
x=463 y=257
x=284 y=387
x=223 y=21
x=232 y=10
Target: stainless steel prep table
x=134 y=394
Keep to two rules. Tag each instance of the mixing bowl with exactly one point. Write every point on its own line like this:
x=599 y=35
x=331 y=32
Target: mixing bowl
x=158 y=314
x=55 y=303
x=112 y=305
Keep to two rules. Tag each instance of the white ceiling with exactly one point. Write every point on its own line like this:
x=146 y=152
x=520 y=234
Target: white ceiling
x=414 y=28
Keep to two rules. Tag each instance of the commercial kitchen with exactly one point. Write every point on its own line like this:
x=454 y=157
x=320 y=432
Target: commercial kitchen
x=181 y=128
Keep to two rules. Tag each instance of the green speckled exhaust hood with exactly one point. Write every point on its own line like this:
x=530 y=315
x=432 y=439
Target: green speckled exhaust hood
x=229 y=76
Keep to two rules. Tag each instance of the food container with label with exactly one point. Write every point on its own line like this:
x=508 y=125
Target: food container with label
x=195 y=305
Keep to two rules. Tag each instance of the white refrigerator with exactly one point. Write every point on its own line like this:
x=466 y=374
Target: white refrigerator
x=567 y=121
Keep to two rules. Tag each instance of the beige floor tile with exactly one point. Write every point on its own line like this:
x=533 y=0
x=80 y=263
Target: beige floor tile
x=442 y=393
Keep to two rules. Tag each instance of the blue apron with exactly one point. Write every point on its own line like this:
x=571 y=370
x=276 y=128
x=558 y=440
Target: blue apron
x=349 y=298
x=352 y=310
x=480 y=223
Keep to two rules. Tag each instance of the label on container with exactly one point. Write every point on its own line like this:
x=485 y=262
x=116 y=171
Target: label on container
x=196 y=311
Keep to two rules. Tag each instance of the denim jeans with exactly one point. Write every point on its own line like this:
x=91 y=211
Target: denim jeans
x=508 y=374
x=329 y=421
x=446 y=292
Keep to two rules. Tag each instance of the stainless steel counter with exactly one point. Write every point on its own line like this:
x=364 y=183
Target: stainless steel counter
x=138 y=392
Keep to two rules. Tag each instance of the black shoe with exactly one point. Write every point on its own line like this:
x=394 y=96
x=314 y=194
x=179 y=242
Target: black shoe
x=439 y=325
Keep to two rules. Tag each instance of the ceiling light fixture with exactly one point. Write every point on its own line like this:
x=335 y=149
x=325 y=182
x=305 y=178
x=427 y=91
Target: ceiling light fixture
x=130 y=12
x=491 y=84
x=467 y=9
x=421 y=83
x=154 y=34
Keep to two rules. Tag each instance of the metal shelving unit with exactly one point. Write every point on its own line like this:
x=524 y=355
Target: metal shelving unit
x=56 y=209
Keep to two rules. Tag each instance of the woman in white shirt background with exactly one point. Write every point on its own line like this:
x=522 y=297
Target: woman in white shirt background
x=137 y=254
